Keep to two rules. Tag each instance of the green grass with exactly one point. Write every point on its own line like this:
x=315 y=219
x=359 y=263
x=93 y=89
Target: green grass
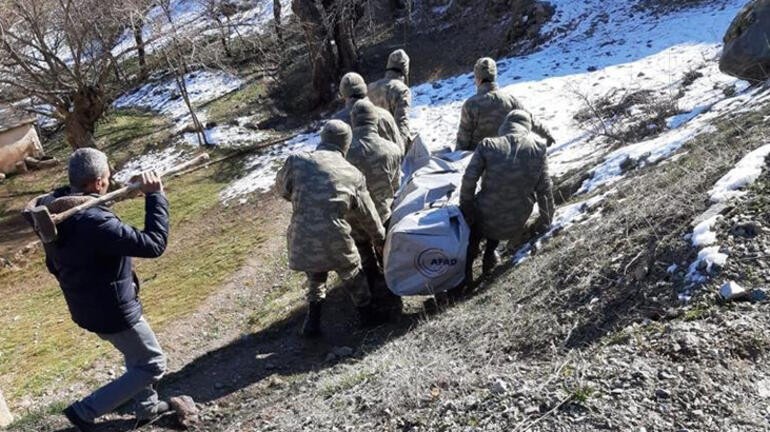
x=40 y=347
x=126 y=134
x=236 y=104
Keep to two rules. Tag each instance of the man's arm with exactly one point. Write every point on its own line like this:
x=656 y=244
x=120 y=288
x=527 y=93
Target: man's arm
x=542 y=130
x=114 y=237
x=471 y=178
x=545 y=202
x=467 y=126
x=366 y=214
x=401 y=114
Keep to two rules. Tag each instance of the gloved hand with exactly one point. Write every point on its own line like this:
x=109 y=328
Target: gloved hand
x=379 y=247
x=550 y=141
x=542 y=228
x=469 y=213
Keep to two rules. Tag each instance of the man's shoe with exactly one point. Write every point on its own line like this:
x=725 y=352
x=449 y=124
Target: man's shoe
x=75 y=420
x=490 y=262
x=311 y=328
x=161 y=408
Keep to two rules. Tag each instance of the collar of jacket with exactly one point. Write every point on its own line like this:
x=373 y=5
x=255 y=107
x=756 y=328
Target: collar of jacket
x=331 y=148
x=395 y=74
x=487 y=87
x=364 y=130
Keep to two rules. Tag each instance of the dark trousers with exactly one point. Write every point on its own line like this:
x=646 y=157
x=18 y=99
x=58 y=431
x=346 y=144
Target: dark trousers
x=474 y=246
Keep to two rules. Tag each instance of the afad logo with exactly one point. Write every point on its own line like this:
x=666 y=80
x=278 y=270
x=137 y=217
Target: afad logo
x=433 y=263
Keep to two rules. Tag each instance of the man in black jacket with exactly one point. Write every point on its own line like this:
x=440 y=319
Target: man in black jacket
x=91 y=259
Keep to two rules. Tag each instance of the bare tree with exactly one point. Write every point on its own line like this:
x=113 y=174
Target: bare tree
x=329 y=27
x=177 y=61
x=277 y=19
x=60 y=52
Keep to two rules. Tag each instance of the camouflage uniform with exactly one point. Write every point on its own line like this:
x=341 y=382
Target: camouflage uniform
x=393 y=94
x=326 y=192
x=483 y=113
x=379 y=160
x=513 y=169
x=353 y=88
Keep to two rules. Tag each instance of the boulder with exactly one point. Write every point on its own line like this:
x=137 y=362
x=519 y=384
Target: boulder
x=5 y=415
x=746 y=52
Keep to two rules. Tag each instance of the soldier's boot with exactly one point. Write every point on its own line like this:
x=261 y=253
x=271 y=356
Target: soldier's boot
x=371 y=315
x=491 y=260
x=311 y=328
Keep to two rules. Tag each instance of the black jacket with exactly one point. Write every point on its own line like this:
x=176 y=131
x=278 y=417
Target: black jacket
x=91 y=259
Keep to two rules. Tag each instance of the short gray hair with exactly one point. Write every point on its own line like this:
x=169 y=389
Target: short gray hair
x=86 y=165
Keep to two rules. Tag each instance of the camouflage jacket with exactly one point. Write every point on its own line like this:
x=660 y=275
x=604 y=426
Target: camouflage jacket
x=380 y=161
x=386 y=125
x=514 y=175
x=392 y=94
x=326 y=192
x=483 y=114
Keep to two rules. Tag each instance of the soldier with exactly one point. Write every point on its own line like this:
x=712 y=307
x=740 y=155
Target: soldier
x=326 y=192
x=483 y=113
x=378 y=159
x=393 y=94
x=513 y=169
x=91 y=260
x=353 y=88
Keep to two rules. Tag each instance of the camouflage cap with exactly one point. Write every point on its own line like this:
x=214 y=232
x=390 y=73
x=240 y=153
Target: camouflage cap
x=516 y=120
x=336 y=135
x=399 y=60
x=363 y=113
x=485 y=70
x=353 y=85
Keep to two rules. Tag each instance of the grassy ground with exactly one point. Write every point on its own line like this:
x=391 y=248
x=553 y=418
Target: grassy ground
x=39 y=345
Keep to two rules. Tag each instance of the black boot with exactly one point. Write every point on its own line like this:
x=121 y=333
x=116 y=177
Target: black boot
x=311 y=328
x=491 y=260
x=371 y=316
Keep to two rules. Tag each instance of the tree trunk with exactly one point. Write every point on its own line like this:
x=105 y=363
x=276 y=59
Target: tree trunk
x=346 y=46
x=342 y=16
x=277 y=19
x=320 y=49
x=138 y=26
x=80 y=123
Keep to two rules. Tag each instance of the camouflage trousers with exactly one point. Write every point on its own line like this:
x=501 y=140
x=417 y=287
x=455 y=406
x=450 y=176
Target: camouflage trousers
x=353 y=281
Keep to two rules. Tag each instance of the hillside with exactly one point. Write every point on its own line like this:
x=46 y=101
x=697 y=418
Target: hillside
x=610 y=321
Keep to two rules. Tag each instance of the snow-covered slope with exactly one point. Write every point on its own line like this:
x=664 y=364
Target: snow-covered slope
x=195 y=18
x=597 y=47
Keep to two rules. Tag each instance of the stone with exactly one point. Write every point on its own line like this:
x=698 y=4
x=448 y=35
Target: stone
x=5 y=414
x=662 y=394
x=499 y=387
x=732 y=291
x=187 y=412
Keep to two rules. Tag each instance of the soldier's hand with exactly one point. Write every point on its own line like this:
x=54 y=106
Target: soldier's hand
x=379 y=247
x=550 y=141
x=149 y=182
x=469 y=214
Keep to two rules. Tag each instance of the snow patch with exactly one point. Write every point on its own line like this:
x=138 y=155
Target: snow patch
x=262 y=168
x=744 y=174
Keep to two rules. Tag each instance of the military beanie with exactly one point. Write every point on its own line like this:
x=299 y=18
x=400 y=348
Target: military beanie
x=353 y=85
x=516 y=119
x=398 y=60
x=485 y=70
x=363 y=113
x=336 y=135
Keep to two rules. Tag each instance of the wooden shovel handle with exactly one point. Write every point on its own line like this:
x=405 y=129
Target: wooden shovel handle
x=120 y=193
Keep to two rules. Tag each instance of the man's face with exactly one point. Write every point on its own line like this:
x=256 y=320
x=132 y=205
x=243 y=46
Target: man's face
x=103 y=183
x=98 y=186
